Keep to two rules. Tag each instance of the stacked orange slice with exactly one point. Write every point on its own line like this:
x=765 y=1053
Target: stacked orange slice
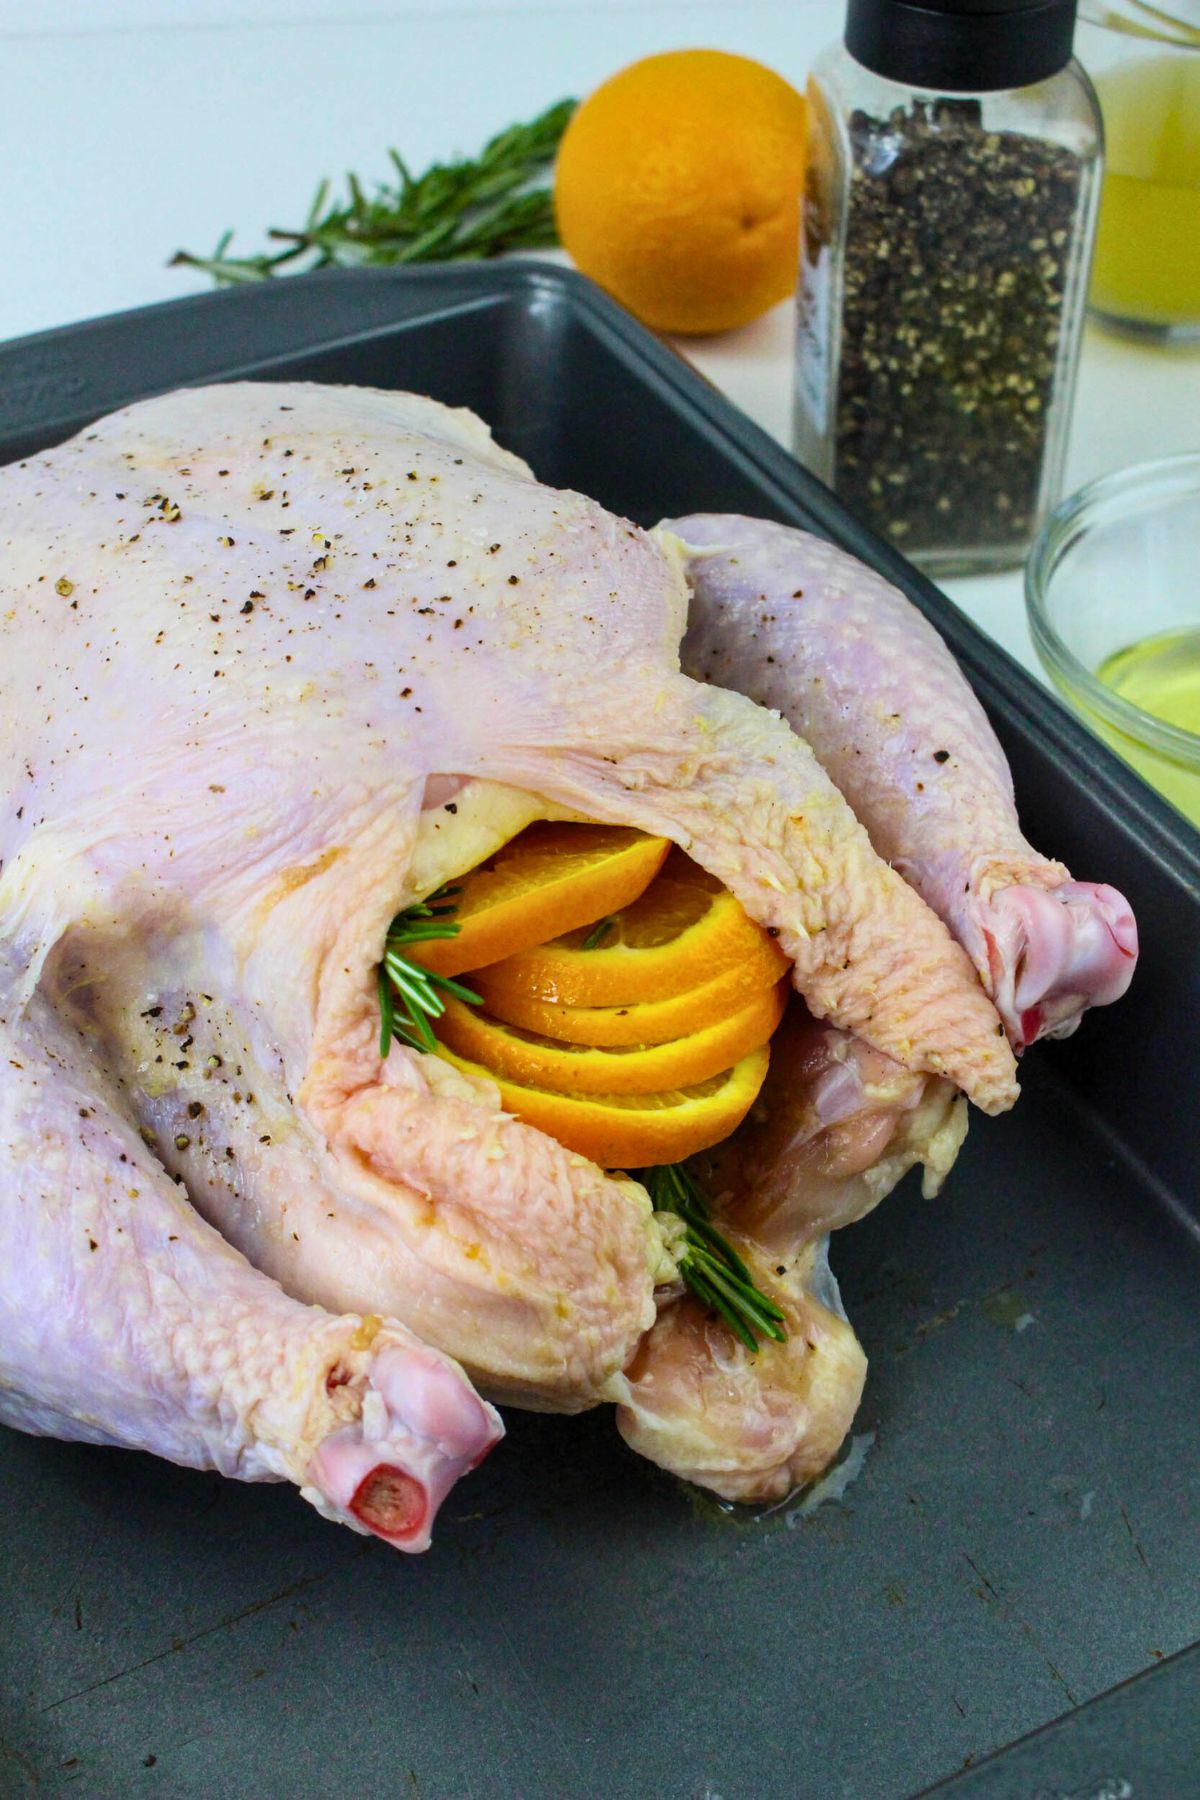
x=627 y=1012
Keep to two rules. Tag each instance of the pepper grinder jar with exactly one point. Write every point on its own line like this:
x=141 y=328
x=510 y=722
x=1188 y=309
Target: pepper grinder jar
x=953 y=175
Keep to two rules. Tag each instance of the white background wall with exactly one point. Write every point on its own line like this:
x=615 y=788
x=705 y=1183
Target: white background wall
x=128 y=129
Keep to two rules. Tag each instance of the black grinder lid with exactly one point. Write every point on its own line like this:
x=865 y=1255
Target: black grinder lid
x=961 y=46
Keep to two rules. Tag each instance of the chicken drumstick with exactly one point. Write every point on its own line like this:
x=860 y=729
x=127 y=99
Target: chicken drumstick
x=800 y=626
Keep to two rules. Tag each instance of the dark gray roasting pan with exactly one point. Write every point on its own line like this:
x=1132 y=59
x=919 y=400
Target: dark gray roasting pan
x=1022 y=1547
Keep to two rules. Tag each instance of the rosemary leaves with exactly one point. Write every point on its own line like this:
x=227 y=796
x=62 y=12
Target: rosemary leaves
x=410 y=997
x=710 y=1267
x=476 y=207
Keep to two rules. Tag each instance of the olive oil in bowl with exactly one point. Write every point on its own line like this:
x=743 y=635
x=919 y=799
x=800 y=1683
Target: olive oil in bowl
x=1113 y=598
x=1161 y=675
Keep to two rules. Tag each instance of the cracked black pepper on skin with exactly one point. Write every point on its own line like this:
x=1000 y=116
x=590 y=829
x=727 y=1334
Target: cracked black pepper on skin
x=953 y=174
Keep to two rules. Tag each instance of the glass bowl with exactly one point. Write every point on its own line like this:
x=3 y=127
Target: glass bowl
x=1112 y=591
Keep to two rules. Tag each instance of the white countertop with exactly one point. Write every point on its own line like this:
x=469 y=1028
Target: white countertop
x=130 y=128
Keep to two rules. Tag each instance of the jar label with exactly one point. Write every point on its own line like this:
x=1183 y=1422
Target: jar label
x=812 y=339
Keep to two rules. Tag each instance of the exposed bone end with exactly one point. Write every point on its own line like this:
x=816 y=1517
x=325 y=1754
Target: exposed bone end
x=390 y=1503
x=415 y=1427
x=747 y=1427
x=1053 y=953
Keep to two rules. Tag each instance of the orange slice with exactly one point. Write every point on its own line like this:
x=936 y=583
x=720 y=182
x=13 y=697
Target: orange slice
x=631 y=1131
x=535 y=1061
x=547 y=880
x=675 y=937
x=617 y=1027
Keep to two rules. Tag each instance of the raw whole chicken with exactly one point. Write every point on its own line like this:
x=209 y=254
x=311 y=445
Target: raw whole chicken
x=274 y=662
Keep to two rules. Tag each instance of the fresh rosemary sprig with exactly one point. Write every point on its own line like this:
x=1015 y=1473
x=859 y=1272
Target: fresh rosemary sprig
x=474 y=208
x=710 y=1266
x=598 y=933
x=409 y=995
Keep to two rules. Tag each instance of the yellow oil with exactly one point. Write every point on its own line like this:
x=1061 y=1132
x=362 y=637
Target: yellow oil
x=1160 y=674
x=1147 y=260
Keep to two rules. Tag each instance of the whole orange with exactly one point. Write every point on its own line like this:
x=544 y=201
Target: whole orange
x=678 y=188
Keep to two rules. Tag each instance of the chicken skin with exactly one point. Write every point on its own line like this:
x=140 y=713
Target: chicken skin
x=275 y=661
x=124 y=1318
x=799 y=625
